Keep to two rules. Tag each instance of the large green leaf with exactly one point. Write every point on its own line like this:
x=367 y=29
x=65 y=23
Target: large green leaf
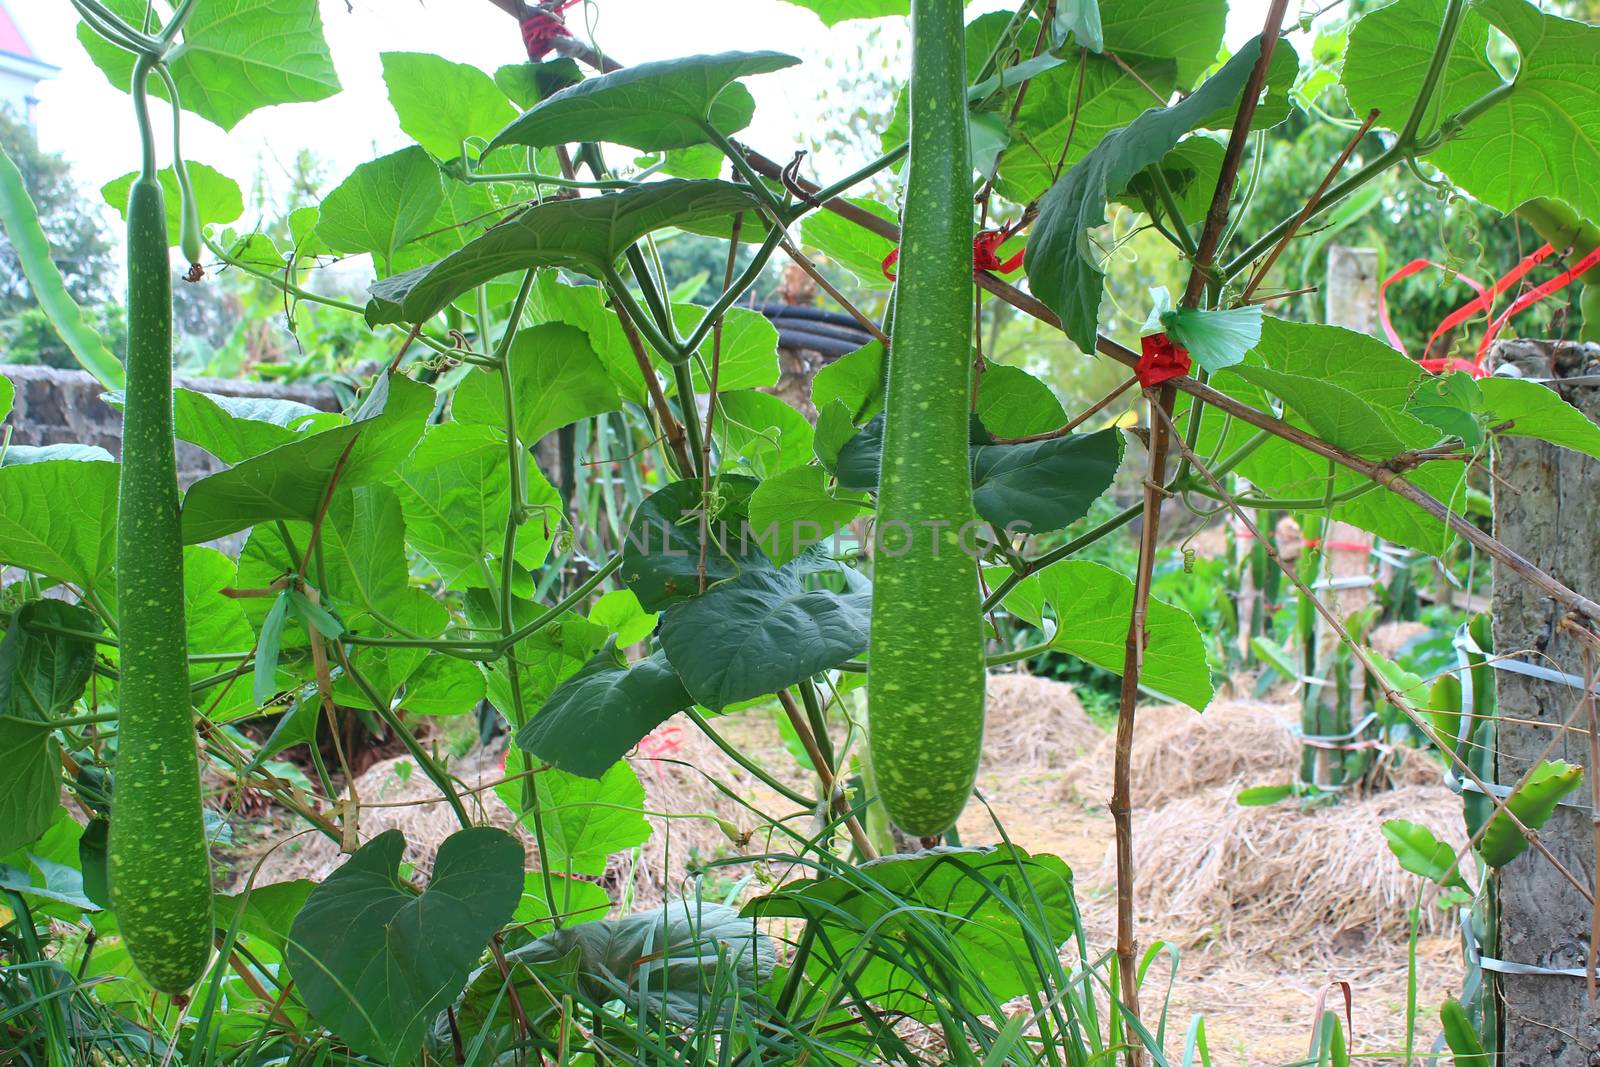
x=42 y=673
x=235 y=428
x=850 y=245
x=761 y=432
x=1420 y=852
x=661 y=555
x=558 y=650
x=382 y=205
x=1013 y=403
x=992 y=909
x=216 y=624
x=762 y=631
x=1542 y=138
x=236 y=56
x=670 y=960
x=1036 y=486
x=585 y=235
x=833 y=12
x=216 y=196
x=796 y=508
x=595 y=716
x=650 y=106
x=749 y=349
x=59 y=518
x=856 y=379
x=290 y=481
x=455 y=494
x=1533 y=804
x=556 y=379
x=32 y=249
x=440 y=103
x=375 y=961
x=1338 y=415
x=1539 y=411
x=1186 y=31
x=584 y=306
x=587 y=820
x=1062 y=267
x=1044 y=485
x=1092 y=606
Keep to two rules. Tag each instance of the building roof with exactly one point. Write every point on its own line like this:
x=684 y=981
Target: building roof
x=12 y=41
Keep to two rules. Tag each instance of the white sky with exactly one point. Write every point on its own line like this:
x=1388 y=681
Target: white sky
x=81 y=116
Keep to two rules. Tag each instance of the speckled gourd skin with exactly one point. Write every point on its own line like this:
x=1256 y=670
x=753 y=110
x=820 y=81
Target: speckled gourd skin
x=925 y=689
x=160 y=871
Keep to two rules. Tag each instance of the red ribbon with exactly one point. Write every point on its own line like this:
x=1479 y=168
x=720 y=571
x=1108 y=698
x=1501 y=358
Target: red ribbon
x=542 y=27
x=1162 y=358
x=985 y=254
x=1484 y=302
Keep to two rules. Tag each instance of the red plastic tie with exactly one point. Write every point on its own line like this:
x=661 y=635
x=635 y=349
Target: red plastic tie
x=1162 y=359
x=985 y=254
x=543 y=26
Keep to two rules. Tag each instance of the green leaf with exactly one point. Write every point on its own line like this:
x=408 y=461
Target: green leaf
x=1420 y=852
x=216 y=624
x=833 y=12
x=236 y=56
x=59 y=518
x=1539 y=411
x=761 y=631
x=587 y=820
x=1092 y=605
x=1262 y=796
x=1013 y=403
x=649 y=106
x=528 y=83
x=543 y=660
x=1038 y=486
x=375 y=961
x=1186 y=31
x=669 y=961
x=851 y=246
x=216 y=195
x=61 y=885
x=662 y=551
x=1191 y=170
x=761 y=432
x=833 y=431
x=594 y=717
x=1044 y=485
x=235 y=428
x=1452 y=403
x=857 y=379
x=620 y=612
x=455 y=494
x=800 y=510
x=269 y=912
x=290 y=481
x=42 y=674
x=1534 y=803
x=1062 y=267
x=8 y=393
x=382 y=205
x=32 y=249
x=584 y=306
x=989 y=909
x=1339 y=416
x=556 y=380
x=749 y=349
x=585 y=235
x=440 y=103
x=1542 y=138
x=444 y=685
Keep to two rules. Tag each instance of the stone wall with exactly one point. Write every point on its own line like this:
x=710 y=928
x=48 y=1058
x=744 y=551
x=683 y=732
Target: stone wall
x=65 y=407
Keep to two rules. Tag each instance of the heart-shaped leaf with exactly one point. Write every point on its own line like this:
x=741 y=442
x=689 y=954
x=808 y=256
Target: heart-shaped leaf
x=650 y=106
x=762 y=631
x=661 y=556
x=594 y=717
x=583 y=235
x=375 y=961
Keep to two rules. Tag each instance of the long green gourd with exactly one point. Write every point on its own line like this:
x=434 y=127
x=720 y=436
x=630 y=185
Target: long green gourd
x=925 y=688
x=160 y=869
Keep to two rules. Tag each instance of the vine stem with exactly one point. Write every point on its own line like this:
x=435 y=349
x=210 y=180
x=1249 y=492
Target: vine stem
x=711 y=404
x=826 y=776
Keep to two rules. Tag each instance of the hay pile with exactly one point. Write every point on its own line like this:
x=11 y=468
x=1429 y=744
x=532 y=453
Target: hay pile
x=1034 y=724
x=1283 y=878
x=402 y=798
x=1177 y=752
